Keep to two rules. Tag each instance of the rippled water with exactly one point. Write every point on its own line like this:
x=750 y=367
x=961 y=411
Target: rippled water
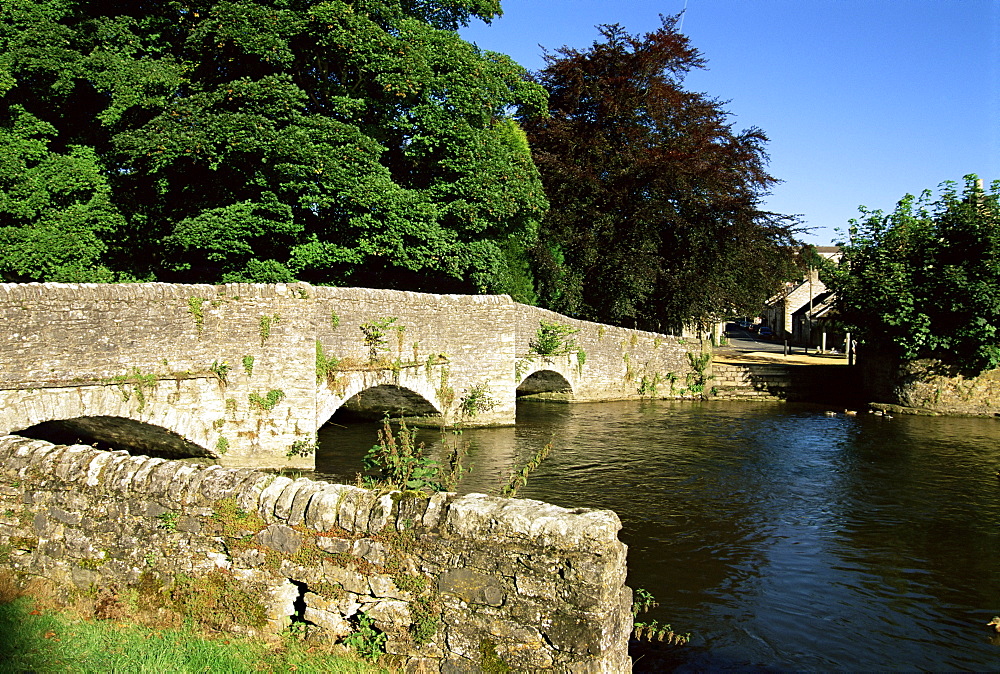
x=780 y=538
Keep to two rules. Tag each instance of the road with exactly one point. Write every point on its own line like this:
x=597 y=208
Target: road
x=745 y=346
x=744 y=340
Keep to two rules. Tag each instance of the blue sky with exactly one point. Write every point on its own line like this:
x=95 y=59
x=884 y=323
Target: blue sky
x=863 y=100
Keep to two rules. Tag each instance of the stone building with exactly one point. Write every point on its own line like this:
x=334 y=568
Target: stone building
x=801 y=311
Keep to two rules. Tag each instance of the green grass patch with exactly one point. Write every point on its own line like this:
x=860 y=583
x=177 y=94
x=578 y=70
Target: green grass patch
x=48 y=640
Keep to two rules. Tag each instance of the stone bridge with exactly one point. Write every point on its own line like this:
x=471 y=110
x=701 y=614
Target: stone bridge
x=247 y=374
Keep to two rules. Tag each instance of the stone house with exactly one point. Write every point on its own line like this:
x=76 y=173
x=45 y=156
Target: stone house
x=798 y=313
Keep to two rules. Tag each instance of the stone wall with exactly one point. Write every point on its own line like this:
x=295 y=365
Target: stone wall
x=152 y=352
x=607 y=362
x=456 y=583
x=925 y=387
x=831 y=384
x=233 y=372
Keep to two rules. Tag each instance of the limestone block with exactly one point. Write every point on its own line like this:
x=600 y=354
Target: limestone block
x=389 y=614
x=349 y=579
x=382 y=512
x=127 y=472
x=192 y=491
x=74 y=459
x=471 y=587
x=321 y=514
x=269 y=497
x=281 y=538
x=334 y=623
x=345 y=604
x=279 y=603
x=283 y=504
x=410 y=510
x=220 y=483
x=371 y=551
x=436 y=508
x=249 y=493
x=160 y=476
x=303 y=496
x=142 y=476
x=179 y=482
x=384 y=587
x=334 y=545
x=355 y=509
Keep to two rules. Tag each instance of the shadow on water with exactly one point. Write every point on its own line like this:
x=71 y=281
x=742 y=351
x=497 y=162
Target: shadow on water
x=781 y=538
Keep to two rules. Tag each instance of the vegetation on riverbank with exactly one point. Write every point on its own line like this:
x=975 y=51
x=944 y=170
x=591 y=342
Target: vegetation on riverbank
x=924 y=280
x=39 y=634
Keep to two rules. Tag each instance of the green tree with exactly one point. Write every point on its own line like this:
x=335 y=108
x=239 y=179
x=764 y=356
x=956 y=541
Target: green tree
x=656 y=214
x=55 y=208
x=924 y=280
x=269 y=140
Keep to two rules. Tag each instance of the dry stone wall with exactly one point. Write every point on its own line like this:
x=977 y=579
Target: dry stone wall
x=456 y=583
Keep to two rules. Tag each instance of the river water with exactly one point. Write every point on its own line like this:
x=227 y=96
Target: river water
x=781 y=538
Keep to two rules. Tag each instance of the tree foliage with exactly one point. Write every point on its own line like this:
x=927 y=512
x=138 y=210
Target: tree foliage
x=655 y=199
x=924 y=280
x=332 y=141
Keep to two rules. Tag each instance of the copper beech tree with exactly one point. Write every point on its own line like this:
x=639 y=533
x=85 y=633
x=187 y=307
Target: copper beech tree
x=656 y=214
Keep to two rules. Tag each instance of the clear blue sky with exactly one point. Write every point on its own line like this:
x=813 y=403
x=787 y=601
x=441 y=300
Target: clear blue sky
x=863 y=100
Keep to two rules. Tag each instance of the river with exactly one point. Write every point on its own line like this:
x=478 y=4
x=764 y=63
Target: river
x=780 y=538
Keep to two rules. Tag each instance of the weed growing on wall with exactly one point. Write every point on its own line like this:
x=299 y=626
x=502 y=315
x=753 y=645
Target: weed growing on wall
x=134 y=382
x=334 y=320
x=375 y=335
x=552 y=339
x=218 y=600
x=367 y=640
x=326 y=367
x=477 y=399
x=651 y=385
x=522 y=365
x=266 y=323
x=222 y=445
x=221 y=371
x=671 y=378
x=643 y=601
x=446 y=394
x=301 y=448
x=248 y=365
x=168 y=520
x=195 y=309
x=267 y=402
x=697 y=378
x=426 y=616
x=629 y=372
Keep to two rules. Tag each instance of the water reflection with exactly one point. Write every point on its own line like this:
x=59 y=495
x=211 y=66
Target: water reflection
x=781 y=538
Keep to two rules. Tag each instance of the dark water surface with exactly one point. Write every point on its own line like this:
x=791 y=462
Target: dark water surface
x=780 y=538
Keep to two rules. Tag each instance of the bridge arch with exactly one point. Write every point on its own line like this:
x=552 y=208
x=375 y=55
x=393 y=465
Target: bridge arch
x=374 y=393
x=548 y=376
x=137 y=437
x=110 y=414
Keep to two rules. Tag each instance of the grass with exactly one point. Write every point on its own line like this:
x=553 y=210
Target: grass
x=38 y=636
